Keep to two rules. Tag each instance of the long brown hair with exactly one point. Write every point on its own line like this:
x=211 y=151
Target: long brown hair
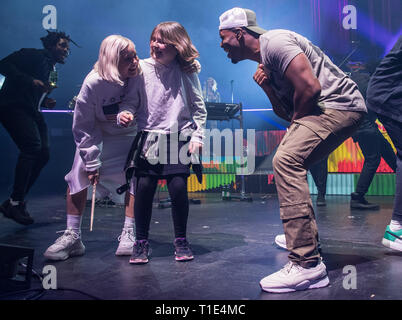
x=172 y=32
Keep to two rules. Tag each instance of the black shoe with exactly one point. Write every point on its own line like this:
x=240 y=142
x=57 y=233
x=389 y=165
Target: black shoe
x=359 y=202
x=17 y=213
x=321 y=201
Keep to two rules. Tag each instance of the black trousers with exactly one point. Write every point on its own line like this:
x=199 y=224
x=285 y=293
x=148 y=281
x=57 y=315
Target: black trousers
x=29 y=132
x=319 y=172
x=144 y=194
x=373 y=146
x=394 y=129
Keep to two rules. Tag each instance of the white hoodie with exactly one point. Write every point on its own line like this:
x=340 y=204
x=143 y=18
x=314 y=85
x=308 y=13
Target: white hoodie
x=95 y=113
x=101 y=143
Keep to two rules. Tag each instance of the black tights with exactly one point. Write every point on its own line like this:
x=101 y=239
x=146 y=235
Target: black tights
x=145 y=191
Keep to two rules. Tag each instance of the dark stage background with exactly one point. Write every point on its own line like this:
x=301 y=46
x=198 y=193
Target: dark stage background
x=89 y=22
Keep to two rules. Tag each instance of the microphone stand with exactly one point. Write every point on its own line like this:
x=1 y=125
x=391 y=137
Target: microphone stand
x=243 y=196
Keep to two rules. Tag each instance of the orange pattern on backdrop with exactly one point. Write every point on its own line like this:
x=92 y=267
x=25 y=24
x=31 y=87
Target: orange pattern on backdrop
x=348 y=158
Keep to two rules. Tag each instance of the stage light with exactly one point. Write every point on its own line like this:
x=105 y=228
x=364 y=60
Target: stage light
x=2 y=79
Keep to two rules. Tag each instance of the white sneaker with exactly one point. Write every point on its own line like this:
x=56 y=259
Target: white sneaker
x=126 y=244
x=294 y=278
x=66 y=246
x=392 y=239
x=280 y=241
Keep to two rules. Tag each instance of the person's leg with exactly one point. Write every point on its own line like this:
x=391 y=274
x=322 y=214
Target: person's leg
x=177 y=187
x=307 y=141
x=393 y=233
x=70 y=244
x=296 y=209
x=24 y=131
x=129 y=205
x=370 y=145
x=44 y=154
x=319 y=172
x=75 y=203
x=144 y=195
x=387 y=153
x=145 y=191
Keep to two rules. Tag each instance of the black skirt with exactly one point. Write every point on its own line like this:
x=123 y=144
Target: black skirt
x=162 y=170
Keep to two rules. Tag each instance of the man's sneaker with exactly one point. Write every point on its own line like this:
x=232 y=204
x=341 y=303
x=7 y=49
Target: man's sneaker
x=280 y=241
x=359 y=202
x=141 y=252
x=66 y=246
x=293 y=277
x=321 y=201
x=17 y=213
x=182 y=250
x=126 y=244
x=392 y=239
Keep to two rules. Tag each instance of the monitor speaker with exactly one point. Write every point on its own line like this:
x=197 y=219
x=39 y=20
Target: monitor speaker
x=15 y=268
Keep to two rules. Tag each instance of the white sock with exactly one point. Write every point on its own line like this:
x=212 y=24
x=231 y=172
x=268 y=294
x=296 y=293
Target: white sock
x=128 y=223
x=74 y=222
x=395 y=225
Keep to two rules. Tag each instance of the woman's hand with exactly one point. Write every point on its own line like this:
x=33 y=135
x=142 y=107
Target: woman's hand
x=93 y=176
x=126 y=118
x=195 y=147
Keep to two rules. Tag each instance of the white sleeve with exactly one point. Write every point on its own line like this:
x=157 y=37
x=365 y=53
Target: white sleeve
x=87 y=134
x=196 y=104
x=134 y=94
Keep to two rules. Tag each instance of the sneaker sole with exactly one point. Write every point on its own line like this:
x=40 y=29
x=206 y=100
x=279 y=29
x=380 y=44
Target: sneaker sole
x=141 y=261
x=374 y=208
x=138 y=261
x=391 y=244
x=280 y=245
x=74 y=253
x=184 y=259
x=124 y=252
x=305 y=285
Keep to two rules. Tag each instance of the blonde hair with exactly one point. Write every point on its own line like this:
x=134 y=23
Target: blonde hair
x=173 y=33
x=107 y=65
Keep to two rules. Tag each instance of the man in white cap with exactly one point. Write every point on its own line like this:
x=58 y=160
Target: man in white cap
x=324 y=107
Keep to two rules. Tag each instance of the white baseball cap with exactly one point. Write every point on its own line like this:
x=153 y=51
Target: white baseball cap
x=239 y=17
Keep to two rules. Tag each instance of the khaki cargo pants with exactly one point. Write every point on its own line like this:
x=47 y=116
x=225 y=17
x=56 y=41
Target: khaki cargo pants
x=308 y=140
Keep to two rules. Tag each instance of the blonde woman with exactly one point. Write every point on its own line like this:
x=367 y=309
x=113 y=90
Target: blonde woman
x=102 y=145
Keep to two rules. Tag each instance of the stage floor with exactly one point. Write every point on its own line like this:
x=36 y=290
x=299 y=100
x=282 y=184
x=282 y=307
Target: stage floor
x=233 y=246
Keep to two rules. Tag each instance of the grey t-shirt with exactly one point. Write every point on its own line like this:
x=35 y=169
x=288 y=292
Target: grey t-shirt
x=338 y=91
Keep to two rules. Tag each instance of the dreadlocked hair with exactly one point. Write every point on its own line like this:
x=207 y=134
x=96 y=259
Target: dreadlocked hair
x=53 y=37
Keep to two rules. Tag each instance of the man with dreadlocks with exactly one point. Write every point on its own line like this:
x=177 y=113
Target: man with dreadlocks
x=29 y=77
